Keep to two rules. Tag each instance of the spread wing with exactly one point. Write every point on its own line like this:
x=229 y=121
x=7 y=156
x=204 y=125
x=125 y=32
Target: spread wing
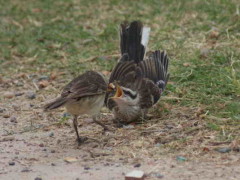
x=148 y=78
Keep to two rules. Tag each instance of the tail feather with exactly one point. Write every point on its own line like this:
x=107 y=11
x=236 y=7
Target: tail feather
x=55 y=104
x=134 y=39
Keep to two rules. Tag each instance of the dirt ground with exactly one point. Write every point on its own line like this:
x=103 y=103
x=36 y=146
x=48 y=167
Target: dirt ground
x=34 y=145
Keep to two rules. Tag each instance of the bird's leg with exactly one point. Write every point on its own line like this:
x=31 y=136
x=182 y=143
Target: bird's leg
x=75 y=124
x=105 y=128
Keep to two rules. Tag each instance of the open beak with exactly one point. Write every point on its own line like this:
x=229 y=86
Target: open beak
x=119 y=92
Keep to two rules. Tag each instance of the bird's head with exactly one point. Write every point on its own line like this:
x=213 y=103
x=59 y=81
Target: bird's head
x=125 y=96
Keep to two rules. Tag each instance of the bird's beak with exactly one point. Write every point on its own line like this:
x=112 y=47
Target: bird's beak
x=111 y=87
x=119 y=93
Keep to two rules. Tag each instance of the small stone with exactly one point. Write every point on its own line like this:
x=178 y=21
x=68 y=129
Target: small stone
x=19 y=93
x=7 y=115
x=13 y=119
x=41 y=145
x=87 y=168
x=11 y=163
x=128 y=126
x=43 y=78
x=51 y=134
x=53 y=151
x=158 y=145
x=19 y=84
x=181 y=158
x=8 y=95
x=66 y=115
x=38 y=178
x=135 y=175
x=2 y=110
x=156 y=175
x=53 y=164
x=70 y=159
x=25 y=170
x=137 y=165
x=223 y=150
x=31 y=95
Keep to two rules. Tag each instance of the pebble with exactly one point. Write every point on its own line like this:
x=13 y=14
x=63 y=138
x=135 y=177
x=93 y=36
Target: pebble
x=181 y=158
x=53 y=164
x=19 y=93
x=128 y=126
x=223 y=150
x=41 y=145
x=25 y=170
x=38 y=178
x=135 y=175
x=66 y=115
x=8 y=95
x=51 y=134
x=137 y=165
x=11 y=163
x=6 y=115
x=13 y=119
x=87 y=168
x=53 y=151
x=156 y=175
x=31 y=95
x=2 y=110
x=44 y=77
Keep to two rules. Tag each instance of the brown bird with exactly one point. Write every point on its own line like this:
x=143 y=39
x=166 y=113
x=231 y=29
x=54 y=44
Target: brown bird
x=137 y=82
x=83 y=95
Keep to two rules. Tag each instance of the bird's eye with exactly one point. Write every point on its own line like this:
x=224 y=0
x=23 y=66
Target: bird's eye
x=129 y=93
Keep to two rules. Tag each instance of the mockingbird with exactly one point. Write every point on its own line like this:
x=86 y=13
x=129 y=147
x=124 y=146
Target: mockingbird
x=83 y=95
x=137 y=82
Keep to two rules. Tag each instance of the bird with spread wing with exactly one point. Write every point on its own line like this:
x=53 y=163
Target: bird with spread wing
x=137 y=81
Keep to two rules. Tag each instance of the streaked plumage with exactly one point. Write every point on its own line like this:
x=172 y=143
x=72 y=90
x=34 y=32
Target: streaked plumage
x=139 y=81
x=83 y=95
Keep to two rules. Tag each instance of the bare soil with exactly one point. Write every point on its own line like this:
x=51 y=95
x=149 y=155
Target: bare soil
x=34 y=144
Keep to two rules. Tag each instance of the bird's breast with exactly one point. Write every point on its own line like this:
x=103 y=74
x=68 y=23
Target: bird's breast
x=87 y=105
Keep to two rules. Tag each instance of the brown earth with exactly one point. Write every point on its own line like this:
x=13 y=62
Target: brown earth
x=34 y=144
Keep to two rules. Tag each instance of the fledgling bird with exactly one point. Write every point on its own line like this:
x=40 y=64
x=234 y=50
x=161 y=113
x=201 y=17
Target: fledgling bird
x=137 y=82
x=83 y=95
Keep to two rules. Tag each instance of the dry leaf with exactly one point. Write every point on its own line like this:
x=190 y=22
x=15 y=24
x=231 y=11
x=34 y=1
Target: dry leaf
x=106 y=73
x=53 y=76
x=43 y=84
x=214 y=34
x=186 y=64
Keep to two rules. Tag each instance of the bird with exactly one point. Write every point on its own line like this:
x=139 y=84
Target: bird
x=139 y=78
x=83 y=95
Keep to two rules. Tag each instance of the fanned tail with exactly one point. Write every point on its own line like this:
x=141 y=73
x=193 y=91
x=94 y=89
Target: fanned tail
x=133 y=40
